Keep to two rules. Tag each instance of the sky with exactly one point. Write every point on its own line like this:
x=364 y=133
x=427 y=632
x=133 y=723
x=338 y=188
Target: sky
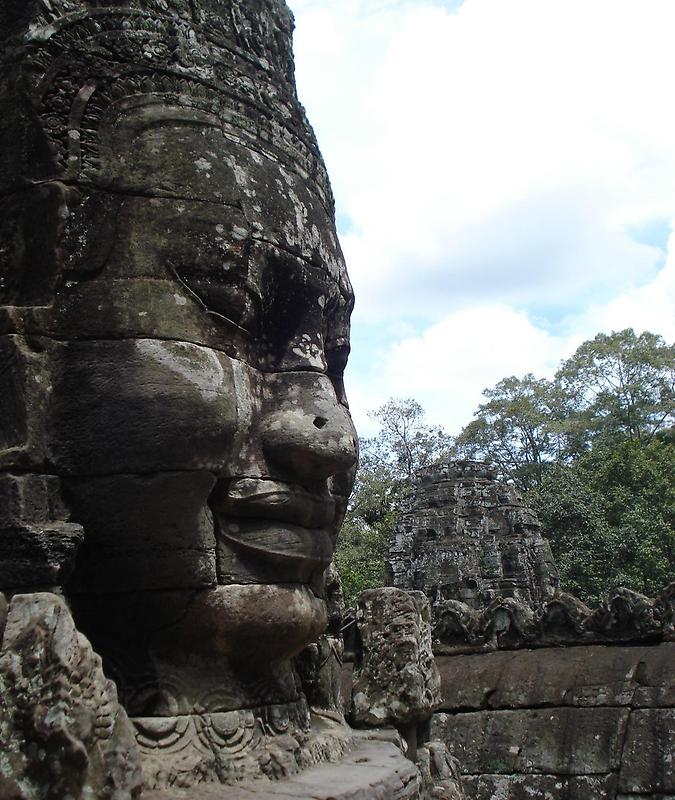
x=504 y=176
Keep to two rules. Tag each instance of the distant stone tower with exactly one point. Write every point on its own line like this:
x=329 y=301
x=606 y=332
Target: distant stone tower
x=469 y=537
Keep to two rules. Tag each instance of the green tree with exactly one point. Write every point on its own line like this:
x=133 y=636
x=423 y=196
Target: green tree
x=572 y=515
x=515 y=429
x=404 y=444
x=594 y=447
x=617 y=386
x=610 y=517
x=636 y=481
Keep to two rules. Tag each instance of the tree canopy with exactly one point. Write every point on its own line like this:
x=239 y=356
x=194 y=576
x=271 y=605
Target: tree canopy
x=593 y=447
x=614 y=387
x=388 y=461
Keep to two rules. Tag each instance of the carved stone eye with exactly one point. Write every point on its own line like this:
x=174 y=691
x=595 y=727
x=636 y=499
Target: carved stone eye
x=236 y=304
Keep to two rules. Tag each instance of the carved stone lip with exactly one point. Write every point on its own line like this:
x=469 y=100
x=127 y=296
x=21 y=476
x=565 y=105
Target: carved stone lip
x=278 y=541
x=240 y=499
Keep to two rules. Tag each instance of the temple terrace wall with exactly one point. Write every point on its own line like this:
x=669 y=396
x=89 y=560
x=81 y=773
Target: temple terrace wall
x=581 y=723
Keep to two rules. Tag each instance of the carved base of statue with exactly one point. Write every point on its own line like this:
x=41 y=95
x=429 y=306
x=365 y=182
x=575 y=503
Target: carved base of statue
x=275 y=742
x=63 y=733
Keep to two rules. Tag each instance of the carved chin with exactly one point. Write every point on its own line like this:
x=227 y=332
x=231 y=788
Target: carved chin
x=270 y=621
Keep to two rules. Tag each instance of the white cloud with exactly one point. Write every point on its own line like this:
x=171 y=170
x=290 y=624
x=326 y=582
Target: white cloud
x=442 y=128
x=493 y=159
x=447 y=367
x=650 y=307
x=453 y=361
x=449 y=364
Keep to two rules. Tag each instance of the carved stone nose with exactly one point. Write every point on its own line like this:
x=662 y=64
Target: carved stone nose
x=309 y=434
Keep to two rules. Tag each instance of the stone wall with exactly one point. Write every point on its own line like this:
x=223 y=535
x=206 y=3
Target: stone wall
x=582 y=723
x=543 y=698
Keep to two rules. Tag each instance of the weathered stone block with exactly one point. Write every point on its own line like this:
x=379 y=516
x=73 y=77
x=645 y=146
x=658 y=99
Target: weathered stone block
x=649 y=755
x=146 y=390
x=395 y=678
x=167 y=539
x=655 y=676
x=38 y=543
x=643 y=796
x=33 y=556
x=555 y=741
x=30 y=498
x=62 y=731
x=23 y=402
x=576 y=676
x=540 y=787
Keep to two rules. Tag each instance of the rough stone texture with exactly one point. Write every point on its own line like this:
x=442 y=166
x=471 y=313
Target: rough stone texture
x=471 y=539
x=374 y=770
x=395 y=678
x=581 y=722
x=549 y=741
x=175 y=445
x=649 y=758
x=38 y=543
x=540 y=787
x=576 y=676
x=624 y=616
x=320 y=665
x=63 y=733
x=440 y=773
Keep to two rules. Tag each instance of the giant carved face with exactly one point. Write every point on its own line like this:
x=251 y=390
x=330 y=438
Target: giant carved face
x=191 y=300
x=210 y=461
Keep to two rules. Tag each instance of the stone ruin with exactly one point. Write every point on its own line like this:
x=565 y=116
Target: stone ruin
x=470 y=538
x=176 y=455
x=542 y=696
x=176 y=450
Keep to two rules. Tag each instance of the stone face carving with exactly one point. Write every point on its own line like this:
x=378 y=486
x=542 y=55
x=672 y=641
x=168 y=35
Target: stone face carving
x=479 y=555
x=395 y=678
x=62 y=731
x=469 y=538
x=174 y=325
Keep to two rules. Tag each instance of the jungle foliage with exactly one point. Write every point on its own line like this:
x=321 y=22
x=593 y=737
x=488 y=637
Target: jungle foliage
x=593 y=449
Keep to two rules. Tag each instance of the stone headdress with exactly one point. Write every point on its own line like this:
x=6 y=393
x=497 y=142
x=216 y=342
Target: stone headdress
x=75 y=67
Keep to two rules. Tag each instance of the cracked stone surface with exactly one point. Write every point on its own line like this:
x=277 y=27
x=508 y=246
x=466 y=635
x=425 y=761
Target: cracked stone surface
x=372 y=771
x=395 y=679
x=63 y=733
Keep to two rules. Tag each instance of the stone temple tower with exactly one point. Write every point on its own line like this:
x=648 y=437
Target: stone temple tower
x=469 y=537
